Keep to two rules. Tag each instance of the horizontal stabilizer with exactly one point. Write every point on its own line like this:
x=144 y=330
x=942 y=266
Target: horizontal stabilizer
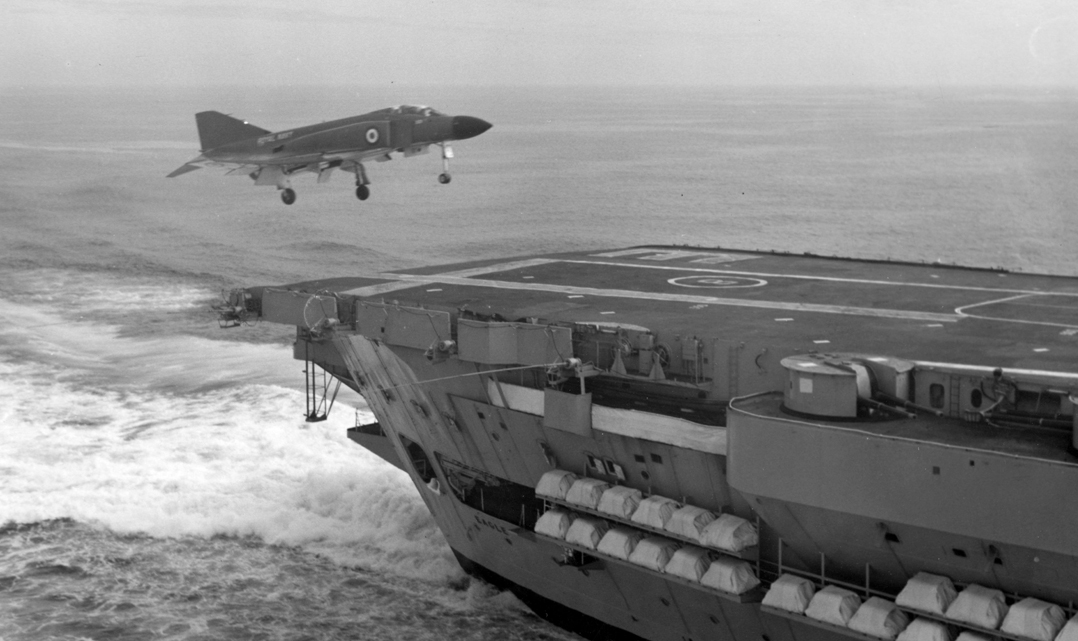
x=186 y=167
x=216 y=129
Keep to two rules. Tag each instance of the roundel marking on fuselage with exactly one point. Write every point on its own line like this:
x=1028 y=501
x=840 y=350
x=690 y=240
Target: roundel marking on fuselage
x=372 y=135
x=717 y=282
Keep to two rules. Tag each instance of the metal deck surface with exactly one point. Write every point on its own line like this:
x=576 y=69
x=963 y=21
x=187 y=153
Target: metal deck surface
x=921 y=312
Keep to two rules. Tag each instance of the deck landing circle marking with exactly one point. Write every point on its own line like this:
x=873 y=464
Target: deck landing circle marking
x=717 y=282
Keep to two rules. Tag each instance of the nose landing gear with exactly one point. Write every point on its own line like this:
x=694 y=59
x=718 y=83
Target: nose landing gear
x=363 y=192
x=447 y=153
x=288 y=195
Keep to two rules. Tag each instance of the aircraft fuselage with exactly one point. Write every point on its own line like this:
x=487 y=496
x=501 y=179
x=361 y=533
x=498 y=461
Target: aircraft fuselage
x=270 y=158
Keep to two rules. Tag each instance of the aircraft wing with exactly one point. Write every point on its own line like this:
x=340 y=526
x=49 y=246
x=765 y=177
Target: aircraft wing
x=183 y=169
x=316 y=162
x=288 y=164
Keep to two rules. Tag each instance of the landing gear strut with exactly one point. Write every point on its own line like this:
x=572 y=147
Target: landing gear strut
x=363 y=192
x=288 y=195
x=447 y=153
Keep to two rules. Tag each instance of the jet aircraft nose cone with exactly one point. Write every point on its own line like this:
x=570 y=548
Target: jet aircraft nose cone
x=468 y=127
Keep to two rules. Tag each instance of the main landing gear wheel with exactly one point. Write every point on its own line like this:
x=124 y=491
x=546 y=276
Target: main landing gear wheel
x=444 y=178
x=288 y=196
x=363 y=192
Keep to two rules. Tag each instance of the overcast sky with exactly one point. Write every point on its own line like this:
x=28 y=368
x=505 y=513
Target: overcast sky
x=505 y=42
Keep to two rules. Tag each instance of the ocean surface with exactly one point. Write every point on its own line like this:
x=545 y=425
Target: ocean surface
x=157 y=480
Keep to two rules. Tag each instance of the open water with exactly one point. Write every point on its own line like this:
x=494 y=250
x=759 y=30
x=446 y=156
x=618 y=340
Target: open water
x=157 y=480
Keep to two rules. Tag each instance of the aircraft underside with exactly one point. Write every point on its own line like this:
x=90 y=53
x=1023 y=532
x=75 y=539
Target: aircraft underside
x=281 y=175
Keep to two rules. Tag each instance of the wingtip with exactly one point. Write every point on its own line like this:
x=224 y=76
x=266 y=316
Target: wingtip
x=186 y=167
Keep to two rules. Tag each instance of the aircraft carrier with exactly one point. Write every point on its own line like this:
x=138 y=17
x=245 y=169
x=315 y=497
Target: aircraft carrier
x=685 y=444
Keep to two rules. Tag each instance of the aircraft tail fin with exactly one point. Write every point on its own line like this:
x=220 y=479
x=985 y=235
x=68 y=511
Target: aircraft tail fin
x=216 y=129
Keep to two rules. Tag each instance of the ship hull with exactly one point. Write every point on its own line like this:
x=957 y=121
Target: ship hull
x=600 y=600
x=854 y=470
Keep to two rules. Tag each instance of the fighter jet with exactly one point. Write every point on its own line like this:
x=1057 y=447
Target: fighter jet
x=272 y=158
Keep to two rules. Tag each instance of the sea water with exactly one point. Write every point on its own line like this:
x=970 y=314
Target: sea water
x=157 y=480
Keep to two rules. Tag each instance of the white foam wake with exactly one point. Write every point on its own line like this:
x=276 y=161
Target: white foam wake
x=178 y=435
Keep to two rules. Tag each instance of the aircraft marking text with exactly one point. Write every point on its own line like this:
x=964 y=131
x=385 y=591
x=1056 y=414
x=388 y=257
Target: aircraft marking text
x=275 y=137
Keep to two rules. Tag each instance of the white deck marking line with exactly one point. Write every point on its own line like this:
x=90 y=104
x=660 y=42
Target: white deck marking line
x=832 y=279
x=1069 y=308
x=961 y=311
x=677 y=298
x=381 y=288
x=501 y=267
x=385 y=288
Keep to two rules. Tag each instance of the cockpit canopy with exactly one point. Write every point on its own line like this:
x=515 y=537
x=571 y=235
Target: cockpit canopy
x=417 y=110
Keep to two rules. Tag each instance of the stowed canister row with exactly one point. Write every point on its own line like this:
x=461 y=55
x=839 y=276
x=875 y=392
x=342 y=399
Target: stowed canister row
x=927 y=609
x=654 y=533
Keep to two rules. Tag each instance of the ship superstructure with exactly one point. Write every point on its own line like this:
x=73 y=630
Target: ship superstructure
x=681 y=443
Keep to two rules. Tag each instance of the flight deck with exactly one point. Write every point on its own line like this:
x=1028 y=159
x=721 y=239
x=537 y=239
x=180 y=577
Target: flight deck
x=931 y=312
